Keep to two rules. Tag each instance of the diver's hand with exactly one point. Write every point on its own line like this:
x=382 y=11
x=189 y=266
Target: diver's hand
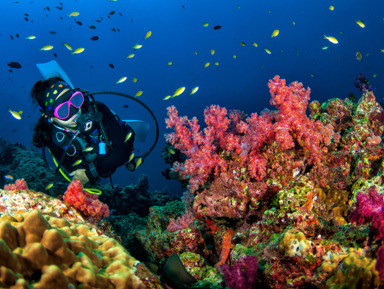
x=80 y=175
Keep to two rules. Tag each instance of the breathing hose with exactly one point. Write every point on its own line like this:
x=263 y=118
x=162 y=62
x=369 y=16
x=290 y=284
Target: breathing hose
x=143 y=105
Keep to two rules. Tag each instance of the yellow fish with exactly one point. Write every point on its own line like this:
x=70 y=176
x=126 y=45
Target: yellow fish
x=15 y=114
x=382 y=50
x=359 y=56
x=46 y=48
x=138 y=162
x=121 y=80
x=216 y=63
x=171 y=151
x=360 y=23
x=131 y=157
x=234 y=56
x=267 y=50
x=179 y=91
x=30 y=37
x=49 y=186
x=167 y=97
x=128 y=136
x=88 y=149
x=76 y=163
x=169 y=63
x=137 y=46
x=74 y=14
x=212 y=52
x=67 y=46
x=331 y=39
x=78 y=50
x=325 y=47
x=331 y=8
x=131 y=55
x=134 y=79
x=207 y=64
x=140 y=92
x=205 y=24
x=149 y=33
x=275 y=33
x=194 y=90
x=254 y=44
x=242 y=43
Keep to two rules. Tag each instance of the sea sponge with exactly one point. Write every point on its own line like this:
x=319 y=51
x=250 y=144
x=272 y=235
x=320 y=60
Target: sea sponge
x=46 y=252
x=295 y=244
x=354 y=272
x=332 y=205
x=332 y=259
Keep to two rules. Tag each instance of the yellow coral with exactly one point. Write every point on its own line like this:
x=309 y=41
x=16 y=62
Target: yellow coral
x=64 y=253
x=355 y=271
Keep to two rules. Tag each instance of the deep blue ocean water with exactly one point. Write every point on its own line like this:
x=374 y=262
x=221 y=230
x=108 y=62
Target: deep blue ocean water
x=177 y=33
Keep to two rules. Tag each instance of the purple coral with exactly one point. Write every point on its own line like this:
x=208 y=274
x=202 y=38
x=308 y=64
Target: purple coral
x=242 y=275
x=370 y=208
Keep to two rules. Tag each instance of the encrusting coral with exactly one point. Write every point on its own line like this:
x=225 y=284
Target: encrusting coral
x=48 y=252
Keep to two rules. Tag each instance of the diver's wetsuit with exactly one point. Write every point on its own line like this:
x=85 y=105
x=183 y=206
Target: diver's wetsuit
x=95 y=164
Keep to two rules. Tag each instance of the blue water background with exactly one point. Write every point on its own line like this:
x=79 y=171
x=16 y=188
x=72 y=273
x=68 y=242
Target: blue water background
x=177 y=33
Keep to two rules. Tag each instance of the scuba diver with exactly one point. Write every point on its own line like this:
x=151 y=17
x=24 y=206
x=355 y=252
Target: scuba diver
x=86 y=140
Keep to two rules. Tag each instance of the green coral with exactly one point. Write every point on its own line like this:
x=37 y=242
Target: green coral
x=206 y=276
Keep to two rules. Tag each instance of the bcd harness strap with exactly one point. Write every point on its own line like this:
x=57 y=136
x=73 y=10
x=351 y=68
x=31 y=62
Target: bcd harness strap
x=65 y=174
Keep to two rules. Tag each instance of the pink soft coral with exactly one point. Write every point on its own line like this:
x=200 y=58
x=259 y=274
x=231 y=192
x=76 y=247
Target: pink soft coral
x=86 y=203
x=20 y=184
x=229 y=161
x=181 y=222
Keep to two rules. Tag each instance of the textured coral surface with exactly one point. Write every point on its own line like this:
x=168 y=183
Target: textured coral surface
x=48 y=252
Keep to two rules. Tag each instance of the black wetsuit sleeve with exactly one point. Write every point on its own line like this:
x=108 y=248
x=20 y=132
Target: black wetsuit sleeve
x=106 y=165
x=72 y=156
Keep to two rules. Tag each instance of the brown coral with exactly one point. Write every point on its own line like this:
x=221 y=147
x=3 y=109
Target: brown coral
x=48 y=252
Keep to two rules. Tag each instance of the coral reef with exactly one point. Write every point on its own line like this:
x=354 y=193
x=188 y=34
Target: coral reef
x=277 y=200
x=48 y=252
x=286 y=186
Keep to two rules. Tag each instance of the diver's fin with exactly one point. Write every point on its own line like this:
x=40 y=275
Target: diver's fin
x=52 y=69
x=140 y=128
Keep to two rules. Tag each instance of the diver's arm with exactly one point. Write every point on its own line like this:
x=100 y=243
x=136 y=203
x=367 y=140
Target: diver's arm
x=71 y=169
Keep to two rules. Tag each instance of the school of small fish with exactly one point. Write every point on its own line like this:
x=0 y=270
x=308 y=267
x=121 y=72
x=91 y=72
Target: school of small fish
x=136 y=48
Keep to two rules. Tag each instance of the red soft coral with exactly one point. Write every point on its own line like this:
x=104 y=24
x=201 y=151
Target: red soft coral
x=86 y=203
x=20 y=184
x=245 y=151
